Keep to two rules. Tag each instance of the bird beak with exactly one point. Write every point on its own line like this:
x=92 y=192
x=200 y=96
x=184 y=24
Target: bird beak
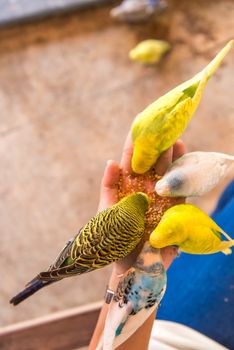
x=162 y=188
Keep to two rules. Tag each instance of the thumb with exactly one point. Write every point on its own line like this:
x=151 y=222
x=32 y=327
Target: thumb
x=109 y=185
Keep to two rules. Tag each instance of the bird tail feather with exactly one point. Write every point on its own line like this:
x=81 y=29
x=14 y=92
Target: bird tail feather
x=31 y=288
x=227 y=236
x=215 y=63
x=208 y=70
x=226 y=245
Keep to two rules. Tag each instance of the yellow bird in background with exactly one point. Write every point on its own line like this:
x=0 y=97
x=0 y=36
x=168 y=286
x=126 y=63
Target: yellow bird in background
x=192 y=230
x=158 y=127
x=149 y=51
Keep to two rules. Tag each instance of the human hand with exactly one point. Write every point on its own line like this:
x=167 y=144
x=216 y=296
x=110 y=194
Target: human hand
x=119 y=180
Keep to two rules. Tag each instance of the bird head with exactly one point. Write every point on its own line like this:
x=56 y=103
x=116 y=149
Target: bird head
x=171 y=184
x=138 y=200
x=169 y=232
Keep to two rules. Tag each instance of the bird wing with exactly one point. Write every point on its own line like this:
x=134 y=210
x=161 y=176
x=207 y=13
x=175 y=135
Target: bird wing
x=124 y=286
x=216 y=233
x=81 y=254
x=62 y=266
x=156 y=111
x=88 y=250
x=219 y=234
x=63 y=255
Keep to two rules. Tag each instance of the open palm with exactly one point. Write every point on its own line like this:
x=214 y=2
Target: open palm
x=119 y=180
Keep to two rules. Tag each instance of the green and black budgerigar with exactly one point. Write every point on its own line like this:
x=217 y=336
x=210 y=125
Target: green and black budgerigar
x=107 y=237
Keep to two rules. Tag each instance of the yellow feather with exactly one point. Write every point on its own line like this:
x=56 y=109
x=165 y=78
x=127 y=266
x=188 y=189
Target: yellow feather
x=161 y=123
x=192 y=230
x=149 y=51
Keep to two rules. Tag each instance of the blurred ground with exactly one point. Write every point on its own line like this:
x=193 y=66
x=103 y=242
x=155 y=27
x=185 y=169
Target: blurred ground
x=68 y=95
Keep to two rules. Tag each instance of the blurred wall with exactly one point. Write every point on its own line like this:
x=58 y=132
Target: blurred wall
x=68 y=94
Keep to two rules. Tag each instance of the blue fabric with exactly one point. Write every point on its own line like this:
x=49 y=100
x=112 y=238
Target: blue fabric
x=200 y=289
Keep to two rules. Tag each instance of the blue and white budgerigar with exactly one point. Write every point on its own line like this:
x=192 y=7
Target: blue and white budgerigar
x=109 y=236
x=139 y=292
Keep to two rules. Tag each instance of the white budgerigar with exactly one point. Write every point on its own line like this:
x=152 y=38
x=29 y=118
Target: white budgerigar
x=194 y=174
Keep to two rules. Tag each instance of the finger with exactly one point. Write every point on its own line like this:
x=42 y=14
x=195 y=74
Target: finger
x=127 y=154
x=164 y=161
x=168 y=255
x=178 y=150
x=109 y=185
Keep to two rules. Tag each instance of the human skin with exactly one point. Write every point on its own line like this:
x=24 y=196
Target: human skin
x=109 y=195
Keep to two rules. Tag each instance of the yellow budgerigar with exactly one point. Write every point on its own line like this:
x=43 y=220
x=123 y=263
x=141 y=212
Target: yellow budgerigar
x=192 y=230
x=161 y=123
x=149 y=51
